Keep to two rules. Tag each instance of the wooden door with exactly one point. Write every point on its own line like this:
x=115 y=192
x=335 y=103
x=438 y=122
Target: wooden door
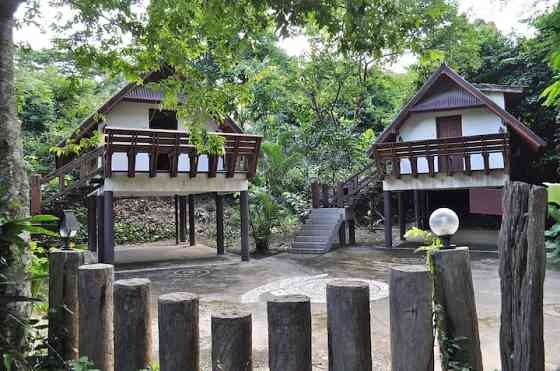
x=449 y=127
x=162 y=120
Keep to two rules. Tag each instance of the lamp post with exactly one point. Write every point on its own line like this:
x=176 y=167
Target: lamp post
x=444 y=223
x=68 y=227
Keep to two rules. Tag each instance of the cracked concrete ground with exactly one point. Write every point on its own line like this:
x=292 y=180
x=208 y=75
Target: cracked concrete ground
x=220 y=283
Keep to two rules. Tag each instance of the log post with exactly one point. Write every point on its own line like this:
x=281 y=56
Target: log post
x=410 y=302
x=402 y=214
x=220 y=223
x=325 y=195
x=289 y=333
x=132 y=324
x=92 y=223
x=178 y=331
x=457 y=319
x=95 y=282
x=192 y=231
x=522 y=270
x=183 y=218
x=232 y=341
x=315 y=195
x=35 y=196
x=64 y=304
x=387 y=219
x=348 y=325
x=244 y=213
x=108 y=235
x=339 y=195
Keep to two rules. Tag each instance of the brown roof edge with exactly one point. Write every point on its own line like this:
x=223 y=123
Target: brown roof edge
x=535 y=142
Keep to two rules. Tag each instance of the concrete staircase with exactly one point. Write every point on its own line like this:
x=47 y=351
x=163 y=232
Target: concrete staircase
x=320 y=233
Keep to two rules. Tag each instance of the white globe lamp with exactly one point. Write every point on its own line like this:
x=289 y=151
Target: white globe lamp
x=444 y=223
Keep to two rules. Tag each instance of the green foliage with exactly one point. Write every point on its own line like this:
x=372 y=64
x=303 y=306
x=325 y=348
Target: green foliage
x=265 y=215
x=547 y=25
x=206 y=143
x=76 y=149
x=552 y=235
x=82 y=364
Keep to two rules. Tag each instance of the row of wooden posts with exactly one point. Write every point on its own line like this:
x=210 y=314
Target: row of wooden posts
x=111 y=322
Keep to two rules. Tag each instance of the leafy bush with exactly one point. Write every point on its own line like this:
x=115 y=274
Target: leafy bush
x=552 y=235
x=265 y=215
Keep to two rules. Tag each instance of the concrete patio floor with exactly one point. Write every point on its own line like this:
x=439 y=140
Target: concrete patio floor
x=221 y=283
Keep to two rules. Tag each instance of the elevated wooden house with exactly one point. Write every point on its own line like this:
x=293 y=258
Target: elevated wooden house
x=146 y=151
x=453 y=144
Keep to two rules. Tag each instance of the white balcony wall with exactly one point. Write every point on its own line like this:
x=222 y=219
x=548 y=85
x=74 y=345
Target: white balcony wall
x=475 y=121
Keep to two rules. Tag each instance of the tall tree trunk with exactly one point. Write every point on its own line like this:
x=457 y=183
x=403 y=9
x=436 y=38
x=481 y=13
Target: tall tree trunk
x=14 y=197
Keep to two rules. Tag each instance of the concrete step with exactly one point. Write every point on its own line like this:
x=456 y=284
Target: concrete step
x=313 y=232
x=325 y=218
x=317 y=238
x=318 y=227
x=310 y=245
x=328 y=211
x=307 y=251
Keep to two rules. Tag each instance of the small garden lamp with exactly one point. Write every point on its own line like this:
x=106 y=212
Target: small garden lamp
x=68 y=227
x=444 y=223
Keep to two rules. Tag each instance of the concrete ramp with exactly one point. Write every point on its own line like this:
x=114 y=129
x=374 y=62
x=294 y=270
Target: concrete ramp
x=320 y=233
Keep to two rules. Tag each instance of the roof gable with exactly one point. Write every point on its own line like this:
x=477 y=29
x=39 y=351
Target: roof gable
x=447 y=89
x=445 y=94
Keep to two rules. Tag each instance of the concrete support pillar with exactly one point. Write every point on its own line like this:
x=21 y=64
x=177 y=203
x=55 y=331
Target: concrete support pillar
x=244 y=213
x=220 y=223
x=183 y=218
x=100 y=204
x=402 y=214
x=192 y=234
x=92 y=223
x=108 y=235
x=388 y=219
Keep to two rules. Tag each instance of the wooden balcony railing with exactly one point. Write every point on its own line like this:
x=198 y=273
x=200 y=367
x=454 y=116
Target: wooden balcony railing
x=448 y=156
x=172 y=151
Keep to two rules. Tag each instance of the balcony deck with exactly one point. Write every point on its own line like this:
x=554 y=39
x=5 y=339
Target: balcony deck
x=130 y=163
x=449 y=163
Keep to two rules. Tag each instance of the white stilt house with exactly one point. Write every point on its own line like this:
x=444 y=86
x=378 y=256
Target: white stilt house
x=146 y=151
x=454 y=141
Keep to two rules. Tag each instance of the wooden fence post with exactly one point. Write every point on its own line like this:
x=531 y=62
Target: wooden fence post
x=454 y=292
x=133 y=324
x=410 y=301
x=95 y=282
x=522 y=270
x=35 y=196
x=178 y=331
x=348 y=325
x=289 y=333
x=325 y=189
x=64 y=304
x=232 y=341
x=315 y=195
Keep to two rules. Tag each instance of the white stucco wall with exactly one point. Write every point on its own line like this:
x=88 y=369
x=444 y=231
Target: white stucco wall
x=475 y=121
x=136 y=116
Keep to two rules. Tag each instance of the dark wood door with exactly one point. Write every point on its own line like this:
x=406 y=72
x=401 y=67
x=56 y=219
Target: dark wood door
x=166 y=120
x=449 y=127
